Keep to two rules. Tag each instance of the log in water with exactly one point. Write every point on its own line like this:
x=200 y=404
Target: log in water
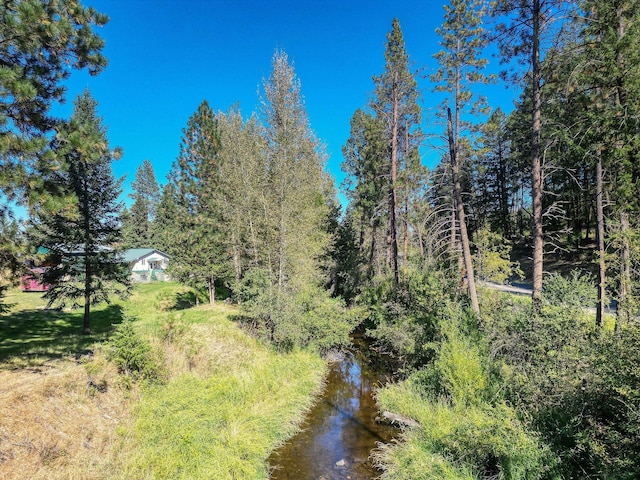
x=341 y=430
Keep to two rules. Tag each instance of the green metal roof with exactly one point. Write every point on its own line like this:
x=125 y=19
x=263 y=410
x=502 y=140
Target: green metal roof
x=134 y=254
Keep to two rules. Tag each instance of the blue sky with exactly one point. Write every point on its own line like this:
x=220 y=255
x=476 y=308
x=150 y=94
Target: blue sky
x=167 y=56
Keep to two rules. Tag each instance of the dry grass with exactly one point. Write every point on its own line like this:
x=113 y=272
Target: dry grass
x=59 y=420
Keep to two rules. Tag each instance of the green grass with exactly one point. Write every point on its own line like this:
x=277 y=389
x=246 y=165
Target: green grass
x=229 y=401
x=29 y=333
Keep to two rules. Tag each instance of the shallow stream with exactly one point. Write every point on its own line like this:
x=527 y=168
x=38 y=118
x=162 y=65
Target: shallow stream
x=341 y=430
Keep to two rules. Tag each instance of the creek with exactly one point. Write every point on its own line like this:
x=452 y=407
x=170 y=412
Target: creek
x=341 y=429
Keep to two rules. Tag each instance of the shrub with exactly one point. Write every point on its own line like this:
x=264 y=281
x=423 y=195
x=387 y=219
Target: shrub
x=133 y=354
x=574 y=292
x=402 y=320
x=304 y=318
x=464 y=432
x=492 y=260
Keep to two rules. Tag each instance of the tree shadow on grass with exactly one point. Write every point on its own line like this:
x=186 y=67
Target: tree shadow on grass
x=184 y=300
x=187 y=299
x=54 y=334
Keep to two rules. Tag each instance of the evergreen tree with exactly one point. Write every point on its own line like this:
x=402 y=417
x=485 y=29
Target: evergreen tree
x=41 y=42
x=522 y=38
x=137 y=224
x=609 y=69
x=166 y=228
x=198 y=253
x=396 y=105
x=496 y=180
x=461 y=65
x=365 y=157
x=83 y=237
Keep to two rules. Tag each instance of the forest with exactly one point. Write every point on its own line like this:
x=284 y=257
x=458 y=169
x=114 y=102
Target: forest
x=543 y=386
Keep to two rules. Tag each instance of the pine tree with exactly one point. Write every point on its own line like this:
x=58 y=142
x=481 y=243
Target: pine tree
x=41 y=43
x=609 y=69
x=166 y=228
x=365 y=157
x=396 y=105
x=137 y=224
x=461 y=65
x=83 y=237
x=198 y=254
x=500 y=179
x=522 y=38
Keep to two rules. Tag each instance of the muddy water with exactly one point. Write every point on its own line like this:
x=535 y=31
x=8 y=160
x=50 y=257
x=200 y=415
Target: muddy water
x=341 y=430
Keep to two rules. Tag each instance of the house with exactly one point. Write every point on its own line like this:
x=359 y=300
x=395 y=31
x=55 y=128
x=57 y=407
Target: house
x=147 y=264
x=32 y=282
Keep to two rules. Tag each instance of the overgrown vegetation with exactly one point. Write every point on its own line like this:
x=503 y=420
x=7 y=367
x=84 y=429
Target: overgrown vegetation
x=158 y=390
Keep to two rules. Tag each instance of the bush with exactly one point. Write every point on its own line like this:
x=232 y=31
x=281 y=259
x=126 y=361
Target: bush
x=574 y=292
x=133 y=355
x=465 y=432
x=303 y=318
x=492 y=260
x=402 y=320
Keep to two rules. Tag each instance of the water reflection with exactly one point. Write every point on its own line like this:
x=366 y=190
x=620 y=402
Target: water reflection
x=340 y=431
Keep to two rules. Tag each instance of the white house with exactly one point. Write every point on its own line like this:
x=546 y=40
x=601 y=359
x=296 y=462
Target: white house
x=147 y=264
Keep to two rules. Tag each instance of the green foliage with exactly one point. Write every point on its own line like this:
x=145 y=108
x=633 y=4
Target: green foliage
x=402 y=320
x=607 y=434
x=133 y=354
x=137 y=223
x=309 y=318
x=576 y=384
x=464 y=432
x=41 y=43
x=83 y=237
x=575 y=292
x=492 y=260
x=461 y=366
x=195 y=227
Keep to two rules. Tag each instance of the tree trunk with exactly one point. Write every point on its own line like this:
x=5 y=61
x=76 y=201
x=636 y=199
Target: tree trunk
x=87 y=306
x=405 y=220
x=212 y=290
x=600 y=234
x=392 y=240
x=624 y=314
x=503 y=192
x=372 y=253
x=464 y=239
x=536 y=163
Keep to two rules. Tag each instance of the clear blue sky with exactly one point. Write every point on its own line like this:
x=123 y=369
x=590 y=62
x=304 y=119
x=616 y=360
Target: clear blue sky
x=167 y=56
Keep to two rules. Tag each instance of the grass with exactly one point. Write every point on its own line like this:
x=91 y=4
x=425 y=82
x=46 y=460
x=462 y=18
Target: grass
x=226 y=401
x=32 y=334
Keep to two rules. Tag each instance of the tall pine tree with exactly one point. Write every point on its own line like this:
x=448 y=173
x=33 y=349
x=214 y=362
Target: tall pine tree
x=198 y=253
x=137 y=224
x=83 y=237
x=461 y=65
x=396 y=105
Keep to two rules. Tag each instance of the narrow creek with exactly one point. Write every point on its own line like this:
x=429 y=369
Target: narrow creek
x=341 y=430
